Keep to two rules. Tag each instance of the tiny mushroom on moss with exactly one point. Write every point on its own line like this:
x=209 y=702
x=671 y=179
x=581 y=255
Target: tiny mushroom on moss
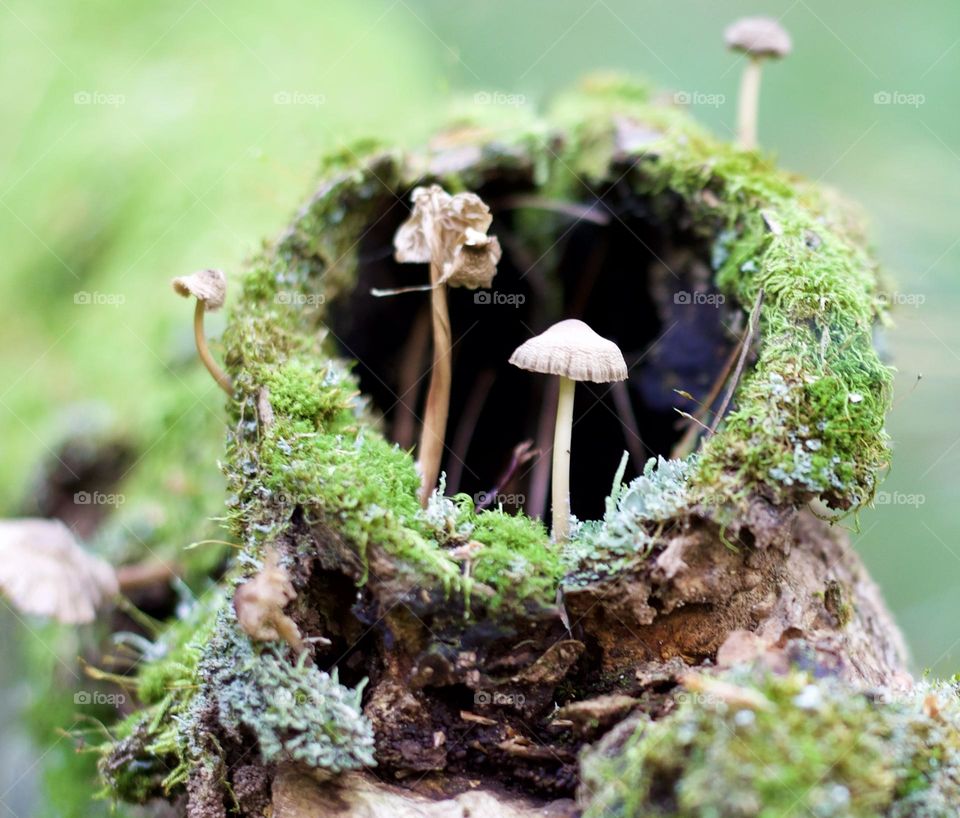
x=449 y=233
x=259 y=603
x=760 y=38
x=209 y=288
x=574 y=352
x=46 y=572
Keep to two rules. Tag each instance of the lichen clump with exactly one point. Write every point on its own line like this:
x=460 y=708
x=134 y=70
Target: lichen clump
x=807 y=746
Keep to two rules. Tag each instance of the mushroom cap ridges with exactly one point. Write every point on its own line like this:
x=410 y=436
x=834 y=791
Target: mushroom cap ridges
x=758 y=37
x=572 y=350
x=208 y=286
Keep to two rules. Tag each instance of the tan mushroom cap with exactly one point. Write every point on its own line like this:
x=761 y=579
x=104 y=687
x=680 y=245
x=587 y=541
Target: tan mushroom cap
x=572 y=350
x=44 y=571
x=208 y=286
x=758 y=37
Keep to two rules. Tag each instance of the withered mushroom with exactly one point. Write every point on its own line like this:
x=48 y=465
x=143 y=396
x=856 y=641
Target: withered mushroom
x=574 y=352
x=209 y=287
x=760 y=38
x=45 y=571
x=259 y=603
x=449 y=233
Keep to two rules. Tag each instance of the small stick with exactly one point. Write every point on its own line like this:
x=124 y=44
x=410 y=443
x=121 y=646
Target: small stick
x=748 y=339
x=628 y=421
x=575 y=210
x=412 y=364
x=694 y=424
x=466 y=426
x=522 y=453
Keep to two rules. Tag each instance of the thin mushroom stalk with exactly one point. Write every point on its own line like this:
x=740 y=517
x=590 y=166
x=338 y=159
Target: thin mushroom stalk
x=562 y=435
x=449 y=233
x=748 y=105
x=221 y=377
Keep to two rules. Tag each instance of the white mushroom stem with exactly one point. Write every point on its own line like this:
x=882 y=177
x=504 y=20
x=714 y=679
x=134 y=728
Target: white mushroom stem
x=561 y=460
x=438 y=394
x=221 y=377
x=748 y=105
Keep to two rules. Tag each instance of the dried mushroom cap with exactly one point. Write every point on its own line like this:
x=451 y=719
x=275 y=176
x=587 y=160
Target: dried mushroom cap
x=474 y=261
x=438 y=224
x=758 y=37
x=260 y=601
x=572 y=350
x=208 y=286
x=44 y=571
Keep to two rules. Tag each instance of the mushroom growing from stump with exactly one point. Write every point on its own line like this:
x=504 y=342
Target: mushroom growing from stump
x=449 y=233
x=760 y=38
x=574 y=352
x=209 y=287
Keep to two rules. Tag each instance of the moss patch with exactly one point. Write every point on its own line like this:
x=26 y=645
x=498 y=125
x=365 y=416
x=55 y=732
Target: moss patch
x=811 y=746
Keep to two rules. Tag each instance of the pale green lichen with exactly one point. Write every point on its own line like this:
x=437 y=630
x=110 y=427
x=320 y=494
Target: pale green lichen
x=296 y=711
x=811 y=746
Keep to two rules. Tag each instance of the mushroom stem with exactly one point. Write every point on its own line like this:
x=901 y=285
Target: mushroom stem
x=561 y=460
x=221 y=377
x=748 y=104
x=438 y=393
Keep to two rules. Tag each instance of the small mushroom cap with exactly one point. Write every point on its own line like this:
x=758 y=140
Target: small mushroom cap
x=572 y=350
x=474 y=262
x=44 y=571
x=758 y=37
x=437 y=224
x=208 y=286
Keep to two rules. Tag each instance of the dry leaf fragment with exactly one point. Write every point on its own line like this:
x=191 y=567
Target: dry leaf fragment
x=260 y=601
x=45 y=571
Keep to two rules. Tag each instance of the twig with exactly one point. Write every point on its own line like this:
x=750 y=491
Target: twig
x=466 y=426
x=747 y=341
x=628 y=421
x=522 y=453
x=574 y=210
x=412 y=364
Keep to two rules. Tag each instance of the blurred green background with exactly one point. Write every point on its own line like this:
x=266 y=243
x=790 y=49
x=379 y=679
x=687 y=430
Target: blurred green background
x=142 y=141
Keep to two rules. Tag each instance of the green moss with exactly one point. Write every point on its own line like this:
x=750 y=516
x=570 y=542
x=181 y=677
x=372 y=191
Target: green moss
x=809 y=746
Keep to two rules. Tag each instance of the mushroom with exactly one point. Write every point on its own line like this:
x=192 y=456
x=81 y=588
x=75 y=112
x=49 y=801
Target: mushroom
x=45 y=571
x=449 y=233
x=760 y=38
x=209 y=287
x=259 y=603
x=575 y=352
